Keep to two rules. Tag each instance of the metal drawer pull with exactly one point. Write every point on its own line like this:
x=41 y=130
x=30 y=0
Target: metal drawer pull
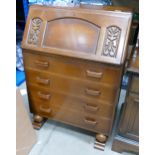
x=46 y=110
x=42 y=81
x=42 y=63
x=44 y=96
x=90 y=121
x=91 y=107
x=94 y=74
x=92 y=92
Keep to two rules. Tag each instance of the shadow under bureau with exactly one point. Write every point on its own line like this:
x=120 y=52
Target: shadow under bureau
x=74 y=60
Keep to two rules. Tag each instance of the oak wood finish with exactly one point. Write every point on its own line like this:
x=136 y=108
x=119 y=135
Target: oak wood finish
x=127 y=136
x=38 y=121
x=100 y=141
x=74 y=68
x=69 y=101
x=122 y=144
x=129 y=127
x=74 y=60
x=101 y=19
x=85 y=89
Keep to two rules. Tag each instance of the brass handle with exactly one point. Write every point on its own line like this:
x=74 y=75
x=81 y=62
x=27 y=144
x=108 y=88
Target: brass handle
x=42 y=81
x=46 y=110
x=89 y=107
x=42 y=63
x=94 y=74
x=90 y=121
x=92 y=92
x=44 y=96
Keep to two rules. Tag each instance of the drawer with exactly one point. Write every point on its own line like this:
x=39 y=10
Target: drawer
x=132 y=97
x=57 y=83
x=134 y=87
x=75 y=68
x=74 y=117
x=62 y=101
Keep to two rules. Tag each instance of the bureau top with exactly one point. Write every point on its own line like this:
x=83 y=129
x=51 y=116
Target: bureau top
x=98 y=35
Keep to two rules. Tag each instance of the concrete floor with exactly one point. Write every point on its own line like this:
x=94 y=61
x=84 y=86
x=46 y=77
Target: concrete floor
x=56 y=138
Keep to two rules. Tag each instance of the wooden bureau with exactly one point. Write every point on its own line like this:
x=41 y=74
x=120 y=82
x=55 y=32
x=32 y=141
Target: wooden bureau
x=127 y=135
x=74 y=59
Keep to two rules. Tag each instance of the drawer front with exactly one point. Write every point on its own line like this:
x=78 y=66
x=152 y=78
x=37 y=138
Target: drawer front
x=81 y=120
x=62 y=102
x=74 y=117
x=72 y=86
x=75 y=68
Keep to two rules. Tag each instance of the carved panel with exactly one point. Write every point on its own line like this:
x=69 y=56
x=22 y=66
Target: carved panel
x=34 y=31
x=111 y=41
x=73 y=34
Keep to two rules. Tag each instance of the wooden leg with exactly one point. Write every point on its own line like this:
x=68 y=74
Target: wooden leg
x=100 y=141
x=38 y=121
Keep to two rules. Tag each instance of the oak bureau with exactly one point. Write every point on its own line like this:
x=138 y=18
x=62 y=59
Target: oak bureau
x=126 y=138
x=74 y=60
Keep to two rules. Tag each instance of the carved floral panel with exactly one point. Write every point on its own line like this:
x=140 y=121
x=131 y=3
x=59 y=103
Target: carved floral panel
x=111 y=41
x=34 y=31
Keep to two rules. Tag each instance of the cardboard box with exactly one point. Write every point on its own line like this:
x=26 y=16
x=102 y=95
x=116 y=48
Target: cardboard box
x=25 y=134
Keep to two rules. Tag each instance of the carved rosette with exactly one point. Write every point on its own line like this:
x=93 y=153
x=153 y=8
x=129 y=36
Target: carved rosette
x=34 y=31
x=111 y=41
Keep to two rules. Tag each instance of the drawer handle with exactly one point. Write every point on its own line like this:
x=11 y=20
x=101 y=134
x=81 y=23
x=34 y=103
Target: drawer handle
x=44 y=96
x=90 y=121
x=92 y=92
x=136 y=100
x=46 y=110
x=94 y=74
x=42 y=63
x=42 y=81
x=89 y=107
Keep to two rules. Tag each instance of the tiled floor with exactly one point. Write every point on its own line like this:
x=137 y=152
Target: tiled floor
x=59 y=139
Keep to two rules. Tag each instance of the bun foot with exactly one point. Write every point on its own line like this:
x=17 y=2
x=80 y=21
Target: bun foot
x=100 y=142
x=38 y=122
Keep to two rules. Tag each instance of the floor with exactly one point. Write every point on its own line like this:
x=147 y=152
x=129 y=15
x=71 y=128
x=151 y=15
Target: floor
x=58 y=139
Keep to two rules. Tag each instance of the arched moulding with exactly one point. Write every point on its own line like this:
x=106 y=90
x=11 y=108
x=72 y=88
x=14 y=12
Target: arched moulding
x=34 y=31
x=111 y=41
x=72 y=34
